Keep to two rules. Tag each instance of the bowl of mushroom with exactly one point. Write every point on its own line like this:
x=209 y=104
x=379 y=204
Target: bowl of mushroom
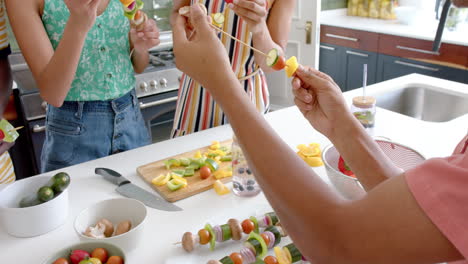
x=117 y=221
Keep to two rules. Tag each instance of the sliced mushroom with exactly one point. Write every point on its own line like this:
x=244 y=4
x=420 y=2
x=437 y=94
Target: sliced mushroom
x=188 y=241
x=123 y=227
x=236 y=229
x=109 y=227
x=96 y=231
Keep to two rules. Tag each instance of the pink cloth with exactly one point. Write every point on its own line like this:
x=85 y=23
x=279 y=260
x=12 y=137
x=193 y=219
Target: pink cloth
x=440 y=187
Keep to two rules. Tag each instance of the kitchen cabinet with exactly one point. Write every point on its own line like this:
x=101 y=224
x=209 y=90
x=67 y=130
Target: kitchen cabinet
x=343 y=52
x=330 y=58
x=353 y=66
x=345 y=65
x=390 y=67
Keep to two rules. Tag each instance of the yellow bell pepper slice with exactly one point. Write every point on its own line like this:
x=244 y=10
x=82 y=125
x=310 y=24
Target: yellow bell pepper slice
x=198 y=155
x=178 y=179
x=291 y=66
x=161 y=179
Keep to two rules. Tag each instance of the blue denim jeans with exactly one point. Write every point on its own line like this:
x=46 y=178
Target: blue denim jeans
x=81 y=131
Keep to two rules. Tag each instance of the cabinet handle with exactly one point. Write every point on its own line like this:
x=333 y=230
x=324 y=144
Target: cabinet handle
x=160 y=102
x=418 y=50
x=38 y=129
x=357 y=54
x=327 y=47
x=341 y=37
x=416 y=66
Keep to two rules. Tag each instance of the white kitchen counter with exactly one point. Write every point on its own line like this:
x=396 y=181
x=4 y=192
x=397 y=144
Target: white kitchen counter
x=164 y=228
x=423 y=30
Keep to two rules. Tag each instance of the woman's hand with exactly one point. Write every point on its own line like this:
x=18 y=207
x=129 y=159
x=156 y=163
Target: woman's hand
x=254 y=12
x=83 y=13
x=320 y=100
x=144 y=39
x=201 y=56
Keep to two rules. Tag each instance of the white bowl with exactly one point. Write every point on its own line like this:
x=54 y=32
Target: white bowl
x=89 y=247
x=35 y=220
x=116 y=211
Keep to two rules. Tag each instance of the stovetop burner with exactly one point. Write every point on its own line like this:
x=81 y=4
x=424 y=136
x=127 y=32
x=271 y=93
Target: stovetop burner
x=162 y=59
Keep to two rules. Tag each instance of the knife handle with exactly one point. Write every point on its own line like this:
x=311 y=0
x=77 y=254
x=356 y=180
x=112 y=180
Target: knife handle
x=111 y=176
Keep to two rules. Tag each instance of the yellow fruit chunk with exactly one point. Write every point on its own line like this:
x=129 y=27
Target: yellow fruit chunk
x=314 y=161
x=215 y=146
x=310 y=152
x=301 y=146
x=161 y=179
x=198 y=155
x=220 y=188
x=281 y=256
x=224 y=173
x=291 y=66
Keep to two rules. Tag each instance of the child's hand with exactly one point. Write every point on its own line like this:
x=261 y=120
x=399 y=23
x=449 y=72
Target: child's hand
x=201 y=56
x=146 y=38
x=83 y=12
x=254 y=12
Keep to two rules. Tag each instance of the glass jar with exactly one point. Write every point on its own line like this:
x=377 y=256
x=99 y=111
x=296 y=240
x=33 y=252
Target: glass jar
x=243 y=180
x=363 y=108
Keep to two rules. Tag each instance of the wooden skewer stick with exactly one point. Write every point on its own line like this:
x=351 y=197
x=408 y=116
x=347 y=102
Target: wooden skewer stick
x=177 y=243
x=240 y=41
x=17 y=128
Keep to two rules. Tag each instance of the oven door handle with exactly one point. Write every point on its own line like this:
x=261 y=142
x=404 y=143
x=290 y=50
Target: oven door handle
x=38 y=128
x=159 y=102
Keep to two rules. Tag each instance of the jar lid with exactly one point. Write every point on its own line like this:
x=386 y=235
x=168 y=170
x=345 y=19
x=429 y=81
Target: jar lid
x=364 y=101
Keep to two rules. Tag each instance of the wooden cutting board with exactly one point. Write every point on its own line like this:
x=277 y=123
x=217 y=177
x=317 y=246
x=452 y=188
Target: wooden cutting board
x=195 y=184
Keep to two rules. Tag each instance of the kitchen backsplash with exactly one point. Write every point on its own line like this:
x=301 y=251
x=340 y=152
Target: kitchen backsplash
x=333 y=4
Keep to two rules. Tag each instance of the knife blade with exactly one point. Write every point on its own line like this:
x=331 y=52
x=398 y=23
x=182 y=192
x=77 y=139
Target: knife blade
x=130 y=190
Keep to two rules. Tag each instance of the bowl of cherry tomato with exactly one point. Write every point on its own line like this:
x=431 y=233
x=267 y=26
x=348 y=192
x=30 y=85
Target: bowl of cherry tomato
x=88 y=253
x=343 y=178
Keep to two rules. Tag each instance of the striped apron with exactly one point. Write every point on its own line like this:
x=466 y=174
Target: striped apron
x=196 y=110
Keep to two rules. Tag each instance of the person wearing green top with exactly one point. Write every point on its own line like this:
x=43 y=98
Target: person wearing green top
x=83 y=55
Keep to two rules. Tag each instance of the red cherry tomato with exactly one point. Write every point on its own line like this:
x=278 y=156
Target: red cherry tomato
x=270 y=260
x=236 y=258
x=101 y=254
x=205 y=236
x=61 y=261
x=115 y=260
x=248 y=226
x=205 y=172
x=265 y=238
x=280 y=64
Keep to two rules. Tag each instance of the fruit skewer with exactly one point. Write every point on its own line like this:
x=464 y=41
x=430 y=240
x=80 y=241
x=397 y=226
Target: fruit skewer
x=286 y=255
x=232 y=230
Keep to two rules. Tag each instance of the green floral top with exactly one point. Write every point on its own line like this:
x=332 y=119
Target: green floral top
x=105 y=70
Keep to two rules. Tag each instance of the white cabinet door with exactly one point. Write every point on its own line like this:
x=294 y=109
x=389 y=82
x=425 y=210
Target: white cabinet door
x=305 y=48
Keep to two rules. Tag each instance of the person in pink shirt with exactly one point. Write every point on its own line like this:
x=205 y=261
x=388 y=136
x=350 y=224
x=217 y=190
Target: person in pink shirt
x=417 y=216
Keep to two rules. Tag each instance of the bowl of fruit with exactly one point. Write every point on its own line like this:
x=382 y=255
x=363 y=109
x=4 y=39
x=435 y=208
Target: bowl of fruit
x=342 y=176
x=41 y=198
x=119 y=221
x=88 y=253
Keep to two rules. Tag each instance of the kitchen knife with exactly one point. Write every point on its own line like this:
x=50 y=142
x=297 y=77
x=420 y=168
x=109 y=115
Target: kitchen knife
x=130 y=190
